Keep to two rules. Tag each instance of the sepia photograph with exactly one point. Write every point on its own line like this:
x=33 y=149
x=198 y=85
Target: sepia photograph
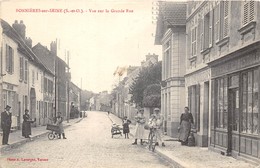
x=130 y=83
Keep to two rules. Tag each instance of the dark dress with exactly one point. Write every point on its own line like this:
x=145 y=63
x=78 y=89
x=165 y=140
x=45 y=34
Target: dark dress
x=126 y=126
x=185 y=127
x=26 y=127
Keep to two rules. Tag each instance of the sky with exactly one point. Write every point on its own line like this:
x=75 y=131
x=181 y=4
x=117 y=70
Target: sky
x=98 y=42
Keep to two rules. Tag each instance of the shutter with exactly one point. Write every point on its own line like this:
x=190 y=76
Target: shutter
x=12 y=60
x=198 y=106
x=252 y=11
x=211 y=21
x=226 y=25
x=7 y=57
x=245 y=13
x=217 y=24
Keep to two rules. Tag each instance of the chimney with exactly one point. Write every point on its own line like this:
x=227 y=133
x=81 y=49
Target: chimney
x=53 y=48
x=28 y=42
x=149 y=56
x=19 y=28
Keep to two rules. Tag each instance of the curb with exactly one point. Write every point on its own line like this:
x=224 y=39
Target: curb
x=23 y=141
x=172 y=160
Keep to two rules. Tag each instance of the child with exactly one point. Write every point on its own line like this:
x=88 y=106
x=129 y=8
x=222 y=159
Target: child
x=126 y=123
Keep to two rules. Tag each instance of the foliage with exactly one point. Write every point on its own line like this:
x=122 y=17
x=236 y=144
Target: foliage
x=152 y=96
x=147 y=76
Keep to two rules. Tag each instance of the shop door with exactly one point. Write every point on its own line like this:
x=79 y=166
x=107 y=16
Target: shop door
x=233 y=111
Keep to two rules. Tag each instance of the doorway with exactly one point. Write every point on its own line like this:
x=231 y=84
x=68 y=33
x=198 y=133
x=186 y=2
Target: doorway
x=233 y=112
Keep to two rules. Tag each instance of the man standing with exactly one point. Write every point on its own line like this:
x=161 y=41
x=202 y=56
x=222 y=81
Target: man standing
x=159 y=124
x=6 y=121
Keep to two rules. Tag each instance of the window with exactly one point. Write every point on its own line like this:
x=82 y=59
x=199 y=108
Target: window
x=45 y=85
x=194 y=104
x=9 y=59
x=50 y=86
x=248 y=12
x=25 y=70
x=21 y=68
x=33 y=77
x=167 y=59
x=221 y=18
x=250 y=102
x=45 y=110
x=194 y=41
x=222 y=103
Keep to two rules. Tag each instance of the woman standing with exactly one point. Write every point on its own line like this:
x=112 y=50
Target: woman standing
x=59 y=121
x=26 y=127
x=185 y=126
x=140 y=122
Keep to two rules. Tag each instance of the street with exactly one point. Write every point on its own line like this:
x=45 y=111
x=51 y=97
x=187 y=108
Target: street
x=88 y=144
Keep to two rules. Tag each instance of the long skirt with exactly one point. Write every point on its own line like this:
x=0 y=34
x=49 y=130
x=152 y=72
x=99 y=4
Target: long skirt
x=139 y=131
x=26 y=129
x=184 y=131
x=61 y=129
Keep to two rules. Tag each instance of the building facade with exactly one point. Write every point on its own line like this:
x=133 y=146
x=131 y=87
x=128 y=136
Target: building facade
x=222 y=79
x=171 y=34
x=21 y=74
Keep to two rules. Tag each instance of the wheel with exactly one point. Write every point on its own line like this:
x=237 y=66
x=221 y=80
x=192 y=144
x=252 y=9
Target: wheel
x=51 y=136
x=153 y=141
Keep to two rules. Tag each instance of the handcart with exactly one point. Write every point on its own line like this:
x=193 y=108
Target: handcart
x=55 y=131
x=116 y=131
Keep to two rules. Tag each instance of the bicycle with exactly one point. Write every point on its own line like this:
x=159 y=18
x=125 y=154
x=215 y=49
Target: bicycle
x=152 y=139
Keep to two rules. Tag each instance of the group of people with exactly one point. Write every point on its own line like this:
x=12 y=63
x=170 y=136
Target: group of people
x=156 y=121
x=6 y=122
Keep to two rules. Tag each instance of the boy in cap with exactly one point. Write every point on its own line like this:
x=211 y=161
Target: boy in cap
x=6 y=121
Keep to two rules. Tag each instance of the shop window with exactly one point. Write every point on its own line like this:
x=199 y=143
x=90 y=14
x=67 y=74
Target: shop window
x=221 y=103
x=250 y=102
x=255 y=103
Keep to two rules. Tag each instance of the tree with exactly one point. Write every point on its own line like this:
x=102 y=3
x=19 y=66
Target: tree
x=152 y=96
x=147 y=76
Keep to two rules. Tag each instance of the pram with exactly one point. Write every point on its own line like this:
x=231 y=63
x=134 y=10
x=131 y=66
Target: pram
x=116 y=130
x=55 y=130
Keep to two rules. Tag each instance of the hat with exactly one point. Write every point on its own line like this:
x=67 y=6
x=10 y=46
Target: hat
x=26 y=110
x=7 y=107
x=156 y=109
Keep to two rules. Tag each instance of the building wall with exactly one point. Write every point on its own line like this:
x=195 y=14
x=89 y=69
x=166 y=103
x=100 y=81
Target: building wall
x=231 y=51
x=173 y=63
x=10 y=80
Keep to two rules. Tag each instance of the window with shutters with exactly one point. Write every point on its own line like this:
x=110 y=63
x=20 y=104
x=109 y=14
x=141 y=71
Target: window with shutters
x=25 y=70
x=21 y=68
x=194 y=41
x=221 y=19
x=9 y=59
x=33 y=77
x=248 y=12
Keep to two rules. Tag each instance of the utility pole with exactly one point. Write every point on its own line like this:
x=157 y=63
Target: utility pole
x=68 y=87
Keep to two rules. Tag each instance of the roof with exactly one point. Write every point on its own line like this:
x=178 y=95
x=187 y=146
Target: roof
x=22 y=47
x=46 y=56
x=170 y=14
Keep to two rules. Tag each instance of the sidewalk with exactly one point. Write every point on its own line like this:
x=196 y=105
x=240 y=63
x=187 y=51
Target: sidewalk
x=191 y=157
x=16 y=139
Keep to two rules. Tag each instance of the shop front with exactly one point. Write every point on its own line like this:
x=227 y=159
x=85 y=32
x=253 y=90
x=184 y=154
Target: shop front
x=235 y=121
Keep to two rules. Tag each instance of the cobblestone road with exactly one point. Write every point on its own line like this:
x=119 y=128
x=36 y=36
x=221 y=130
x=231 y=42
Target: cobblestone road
x=89 y=144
